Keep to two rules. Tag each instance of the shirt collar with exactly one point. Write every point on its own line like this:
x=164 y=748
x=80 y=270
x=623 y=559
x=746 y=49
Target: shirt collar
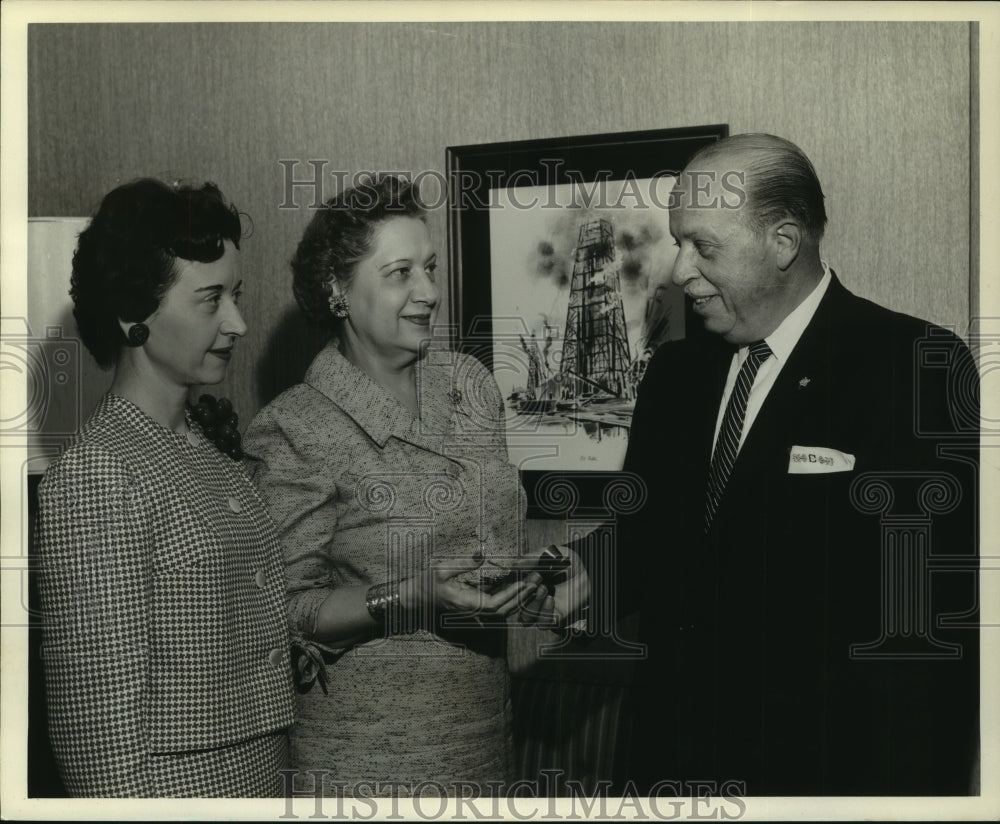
x=129 y=413
x=363 y=399
x=783 y=339
x=373 y=407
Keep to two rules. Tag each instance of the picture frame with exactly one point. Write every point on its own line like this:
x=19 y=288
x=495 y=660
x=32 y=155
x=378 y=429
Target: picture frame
x=560 y=259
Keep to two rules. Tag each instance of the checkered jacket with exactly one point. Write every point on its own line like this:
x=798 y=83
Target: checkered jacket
x=163 y=597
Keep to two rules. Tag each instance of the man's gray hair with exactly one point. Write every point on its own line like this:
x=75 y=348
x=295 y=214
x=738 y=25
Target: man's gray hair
x=780 y=180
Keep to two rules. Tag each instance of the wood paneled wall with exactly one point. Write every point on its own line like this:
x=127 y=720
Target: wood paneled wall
x=881 y=108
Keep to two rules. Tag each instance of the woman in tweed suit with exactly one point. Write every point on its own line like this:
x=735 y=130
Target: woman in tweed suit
x=165 y=642
x=386 y=471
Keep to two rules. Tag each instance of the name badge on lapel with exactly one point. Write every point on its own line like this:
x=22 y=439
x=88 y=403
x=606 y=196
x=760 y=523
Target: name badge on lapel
x=813 y=460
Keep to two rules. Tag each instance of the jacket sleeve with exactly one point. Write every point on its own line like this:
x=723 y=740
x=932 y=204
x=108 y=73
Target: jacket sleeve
x=93 y=543
x=296 y=478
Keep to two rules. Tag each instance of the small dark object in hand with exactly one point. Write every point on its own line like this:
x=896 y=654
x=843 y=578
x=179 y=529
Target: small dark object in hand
x=549 y=564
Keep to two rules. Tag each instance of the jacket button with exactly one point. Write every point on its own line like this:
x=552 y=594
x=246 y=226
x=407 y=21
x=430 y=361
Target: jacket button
x=260 y=579
x=235 y=505
x=276 y=657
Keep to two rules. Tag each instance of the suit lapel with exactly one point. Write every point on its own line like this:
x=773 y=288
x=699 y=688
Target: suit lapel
x=718 y=358
x=799 y=399
x=706 y=367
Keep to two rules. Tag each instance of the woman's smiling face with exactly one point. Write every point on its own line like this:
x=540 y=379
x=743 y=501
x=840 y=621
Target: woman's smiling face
x=393 y=295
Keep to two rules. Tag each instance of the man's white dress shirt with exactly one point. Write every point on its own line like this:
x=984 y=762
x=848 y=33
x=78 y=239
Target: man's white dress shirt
x=781 y=342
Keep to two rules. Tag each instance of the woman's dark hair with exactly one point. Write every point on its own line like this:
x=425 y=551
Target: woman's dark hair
x=340 y=236
x=125 y=259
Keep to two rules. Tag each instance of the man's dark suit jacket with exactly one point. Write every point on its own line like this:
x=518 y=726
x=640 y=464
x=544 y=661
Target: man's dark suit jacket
x=764 y=663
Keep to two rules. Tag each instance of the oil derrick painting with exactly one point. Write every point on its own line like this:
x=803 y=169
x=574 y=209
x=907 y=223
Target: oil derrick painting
x=581 y=298
x=595 y=354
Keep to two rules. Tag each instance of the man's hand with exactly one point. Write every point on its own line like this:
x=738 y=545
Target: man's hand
x=564 y=595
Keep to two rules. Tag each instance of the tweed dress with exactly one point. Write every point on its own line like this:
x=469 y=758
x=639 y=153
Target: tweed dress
x=165 y=643
x=361 y=491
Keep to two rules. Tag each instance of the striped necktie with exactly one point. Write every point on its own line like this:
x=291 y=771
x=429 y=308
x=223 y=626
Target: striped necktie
x=728 y=442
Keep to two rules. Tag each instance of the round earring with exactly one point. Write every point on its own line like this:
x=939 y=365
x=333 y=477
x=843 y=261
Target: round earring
x=339 y=307
x=137 y=334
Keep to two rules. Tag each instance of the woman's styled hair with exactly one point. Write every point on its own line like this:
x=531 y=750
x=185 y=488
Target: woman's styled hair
x=125 y=259
x=340 y=236
x=780 y=181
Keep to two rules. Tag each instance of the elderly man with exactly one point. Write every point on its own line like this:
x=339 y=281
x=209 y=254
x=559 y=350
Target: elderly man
x=802 y=566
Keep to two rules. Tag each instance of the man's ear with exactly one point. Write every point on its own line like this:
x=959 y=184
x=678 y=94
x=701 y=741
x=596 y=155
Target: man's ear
x=786 y=238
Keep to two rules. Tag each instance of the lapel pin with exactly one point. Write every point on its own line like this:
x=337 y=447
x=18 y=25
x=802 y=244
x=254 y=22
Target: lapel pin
x=804 y=383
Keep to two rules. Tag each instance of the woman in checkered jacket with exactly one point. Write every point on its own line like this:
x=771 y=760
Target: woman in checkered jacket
x=165 y=643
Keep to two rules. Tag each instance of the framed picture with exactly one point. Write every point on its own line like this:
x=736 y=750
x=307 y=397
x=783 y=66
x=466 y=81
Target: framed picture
x=561 y=256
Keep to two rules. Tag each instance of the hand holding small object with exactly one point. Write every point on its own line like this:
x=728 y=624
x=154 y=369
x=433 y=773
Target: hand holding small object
x=565 y=590
x=436 y=590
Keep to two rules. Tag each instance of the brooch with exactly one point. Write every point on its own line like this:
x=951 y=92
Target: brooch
x=455 y=396
x=804 y=383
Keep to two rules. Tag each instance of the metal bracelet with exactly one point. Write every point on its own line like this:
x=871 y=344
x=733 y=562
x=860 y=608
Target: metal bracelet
x=382 y=601
x=380 y=597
